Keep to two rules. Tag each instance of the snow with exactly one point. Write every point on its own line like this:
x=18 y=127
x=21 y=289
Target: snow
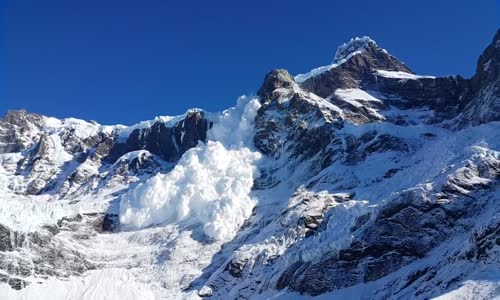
x=127 y=157
x=210 y=185
x=14 y=211
x=354 y=96
x=475 y=289
x=401 y=75
x=99 y=284
x=234 y=127
x=81 y=128
x=314 y=72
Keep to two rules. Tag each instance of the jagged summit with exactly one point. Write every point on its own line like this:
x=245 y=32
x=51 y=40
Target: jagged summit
x=275 y=79
x=355 y=46
x=360 y=56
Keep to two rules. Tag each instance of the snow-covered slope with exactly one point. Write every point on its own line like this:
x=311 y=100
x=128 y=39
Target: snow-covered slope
x=358 y=180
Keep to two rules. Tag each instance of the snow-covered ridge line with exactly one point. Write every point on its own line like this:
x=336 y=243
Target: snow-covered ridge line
x=344 y=52
x=85 y=129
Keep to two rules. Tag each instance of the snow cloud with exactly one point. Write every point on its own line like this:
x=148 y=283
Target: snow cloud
x=210 y=185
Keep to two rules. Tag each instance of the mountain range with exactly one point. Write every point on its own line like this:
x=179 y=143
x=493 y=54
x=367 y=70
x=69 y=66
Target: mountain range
x=357 y=180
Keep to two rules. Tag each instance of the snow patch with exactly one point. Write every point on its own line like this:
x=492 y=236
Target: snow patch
x=401 y=75
x=353 y=96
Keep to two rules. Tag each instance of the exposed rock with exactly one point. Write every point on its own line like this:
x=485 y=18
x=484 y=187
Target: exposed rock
x=273 y=80
x=352 y=72
x=170 y=142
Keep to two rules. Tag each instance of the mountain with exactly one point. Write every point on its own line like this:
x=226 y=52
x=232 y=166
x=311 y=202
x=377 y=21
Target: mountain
x=357 y=180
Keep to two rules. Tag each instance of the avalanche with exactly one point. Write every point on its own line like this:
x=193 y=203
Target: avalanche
x=210 y=185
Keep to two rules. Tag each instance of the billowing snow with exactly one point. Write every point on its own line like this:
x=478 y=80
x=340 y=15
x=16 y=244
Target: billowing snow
x=210 y=185
x=234 y=127
x=400 y=74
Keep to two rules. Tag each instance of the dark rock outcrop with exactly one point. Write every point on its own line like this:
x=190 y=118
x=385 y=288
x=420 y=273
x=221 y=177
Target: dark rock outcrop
x=169 y=143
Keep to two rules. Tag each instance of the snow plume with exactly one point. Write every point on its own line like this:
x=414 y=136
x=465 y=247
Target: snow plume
x=210 y=185
x=235 y=126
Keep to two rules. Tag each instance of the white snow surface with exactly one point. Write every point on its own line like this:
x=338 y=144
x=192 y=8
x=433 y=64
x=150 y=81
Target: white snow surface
x=354 y=96
x=401 y=75
x=100 y=284
x=210 y=185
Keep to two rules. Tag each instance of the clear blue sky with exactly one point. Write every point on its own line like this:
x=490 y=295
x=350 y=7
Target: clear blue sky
x=120 y=61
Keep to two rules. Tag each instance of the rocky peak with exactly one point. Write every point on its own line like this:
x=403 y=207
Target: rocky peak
x=354 y=46
x=22 y=118
x=354 y=63
x=278 y=78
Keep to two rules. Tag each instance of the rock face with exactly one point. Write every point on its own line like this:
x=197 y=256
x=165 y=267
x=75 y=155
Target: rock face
x=353 y=68
x=15 y=129
x=170 y=142
x=485 y=104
